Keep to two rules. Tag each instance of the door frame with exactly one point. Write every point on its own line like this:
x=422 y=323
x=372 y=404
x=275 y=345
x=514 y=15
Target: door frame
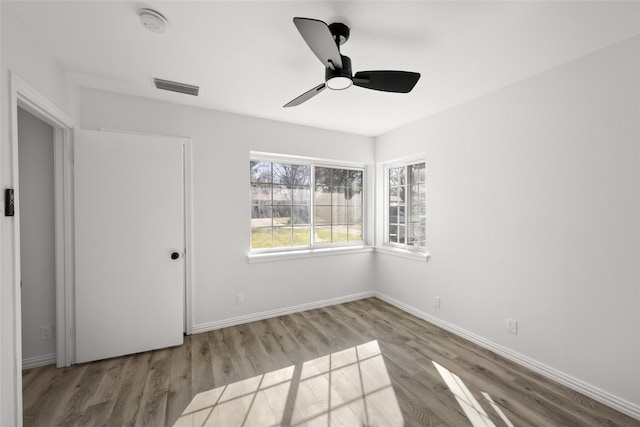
x=26 y=97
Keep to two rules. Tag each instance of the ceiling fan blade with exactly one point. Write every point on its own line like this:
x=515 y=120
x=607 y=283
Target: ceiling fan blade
x=305 y=96
x=387 y=81
x=317 y=35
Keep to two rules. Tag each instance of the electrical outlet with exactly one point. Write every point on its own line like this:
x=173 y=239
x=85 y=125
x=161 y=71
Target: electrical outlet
x=512 y=326
x=46 y=333
x=436 y=302
x=239 y=299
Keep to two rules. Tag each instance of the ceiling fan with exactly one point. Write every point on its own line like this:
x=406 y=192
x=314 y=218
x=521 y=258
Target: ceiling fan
x=325 y=41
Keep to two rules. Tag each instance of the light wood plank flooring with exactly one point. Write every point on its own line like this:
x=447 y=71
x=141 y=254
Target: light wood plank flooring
x=361 y=363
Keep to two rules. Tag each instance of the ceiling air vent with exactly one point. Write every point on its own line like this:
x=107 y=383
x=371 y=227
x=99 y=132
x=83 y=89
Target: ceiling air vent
x=176 y=87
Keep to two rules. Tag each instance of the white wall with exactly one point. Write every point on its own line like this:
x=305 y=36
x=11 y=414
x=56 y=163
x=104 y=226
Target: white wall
x=37 y=239
x=24 y=56
x=221 y=146
x=533 y=199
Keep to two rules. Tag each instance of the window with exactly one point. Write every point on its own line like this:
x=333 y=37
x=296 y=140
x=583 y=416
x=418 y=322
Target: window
x=338 y=205
x=406 y=220
x=296 y=206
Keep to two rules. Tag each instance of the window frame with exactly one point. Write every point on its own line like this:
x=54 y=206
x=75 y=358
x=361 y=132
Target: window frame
x=390 y=245
x=313 y=247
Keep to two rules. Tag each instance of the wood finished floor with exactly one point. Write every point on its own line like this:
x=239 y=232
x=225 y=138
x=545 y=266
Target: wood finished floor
x=361 y=363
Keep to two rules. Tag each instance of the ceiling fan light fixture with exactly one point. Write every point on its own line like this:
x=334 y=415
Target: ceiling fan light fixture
x=339 y=83
x=339 y=78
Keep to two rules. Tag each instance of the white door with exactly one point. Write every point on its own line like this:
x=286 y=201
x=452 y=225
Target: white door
x=129 y=241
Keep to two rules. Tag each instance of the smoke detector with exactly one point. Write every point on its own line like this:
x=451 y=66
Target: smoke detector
x=153 y=20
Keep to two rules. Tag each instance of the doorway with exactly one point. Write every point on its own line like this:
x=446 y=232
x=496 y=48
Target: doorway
x=24 y=97
x=37 y=238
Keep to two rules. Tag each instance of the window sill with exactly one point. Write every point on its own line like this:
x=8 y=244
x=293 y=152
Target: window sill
x=307 y=253
x=404 y=253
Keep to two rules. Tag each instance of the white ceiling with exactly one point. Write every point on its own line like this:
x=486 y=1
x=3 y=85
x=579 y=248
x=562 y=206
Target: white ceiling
x=249 y=58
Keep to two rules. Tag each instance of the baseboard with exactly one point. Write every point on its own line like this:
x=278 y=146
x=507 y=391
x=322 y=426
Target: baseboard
x=595 y=393
x=34 y=362
x=210 y=326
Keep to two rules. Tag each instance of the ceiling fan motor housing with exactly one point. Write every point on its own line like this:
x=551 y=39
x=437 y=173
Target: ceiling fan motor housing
x=345 y=71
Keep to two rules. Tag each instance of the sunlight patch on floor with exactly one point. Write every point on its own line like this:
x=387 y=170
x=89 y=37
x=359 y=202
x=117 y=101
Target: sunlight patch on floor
x=350 y=387
x=467 y=401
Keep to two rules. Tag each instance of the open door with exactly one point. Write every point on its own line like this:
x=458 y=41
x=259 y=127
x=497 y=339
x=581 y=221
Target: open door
x=129 y=243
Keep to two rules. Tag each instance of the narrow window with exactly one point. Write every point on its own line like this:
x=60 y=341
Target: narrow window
x=406 y=205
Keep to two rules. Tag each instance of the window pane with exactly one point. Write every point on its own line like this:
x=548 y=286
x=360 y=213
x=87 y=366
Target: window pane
x=393 y=233
x=356 y=197
x=323 y=195
x=402 y=230
x=300 y=174
x=394 y=177
x=282 y=236
x=355 y=179
x=261 y=194
x=397 y=215
x=416 y=173
x=396 y=195
x=393 y=215
x=355 y=233
x=354 y=215
x=281 y=195
x=416 y=235
x=260 y=238
x=260 y=216
x=260 y=171
x=282 y=173
x=415 y=193
x=323 y=176
x=302 y=236
x=323 y=234
x=339 y=214
x=301 y=195
x=417 y=218
x=281 y=215
x=339 y=234
x=339 y=177
x=417 y=229
x=414 y=212
x=301 y=215
x=339 y=196
x=323 y=215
